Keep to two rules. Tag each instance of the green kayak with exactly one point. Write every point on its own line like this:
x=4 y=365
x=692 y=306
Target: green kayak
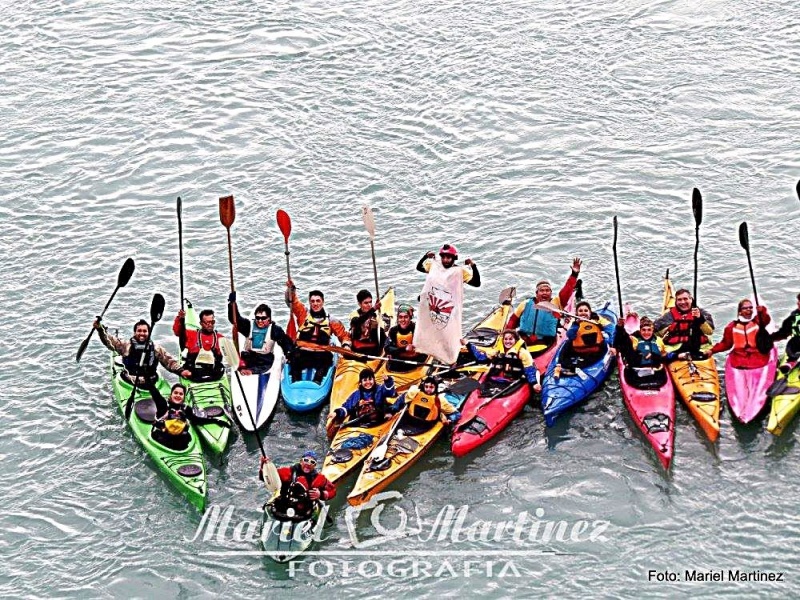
x=185 y=469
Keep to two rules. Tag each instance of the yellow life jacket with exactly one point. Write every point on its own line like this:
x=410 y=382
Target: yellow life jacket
x=175 y=426
x=317 y=331
x=507 y=363
x=589 y=338
x=421 y=405
x=404 y=339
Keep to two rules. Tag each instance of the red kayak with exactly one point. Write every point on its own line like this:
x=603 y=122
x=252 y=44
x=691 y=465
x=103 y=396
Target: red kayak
x=651 y=403
x=487 y=411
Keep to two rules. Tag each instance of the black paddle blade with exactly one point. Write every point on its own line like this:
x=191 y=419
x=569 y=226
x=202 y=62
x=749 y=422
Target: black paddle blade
x=744 y=238
x=156 y=308
x=179 y=207
x=697 y=206
x=125 y=273
x=615 y=232
x=83 y=346
x=797 y=189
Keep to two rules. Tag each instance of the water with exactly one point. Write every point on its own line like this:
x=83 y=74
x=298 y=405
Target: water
x=515 y=130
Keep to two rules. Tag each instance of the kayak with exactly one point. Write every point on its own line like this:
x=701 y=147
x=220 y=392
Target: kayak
x=305 y=394
x=345 y=379
x=785 y=395
x=261 y=392
x=696 y=381
x=185 y=469
x=403 y=379
x=487 y=411
x=406 y=447
x=284 y=538
x=651 y=406
x=747 y=388
x=561 y=393
x=350 y=446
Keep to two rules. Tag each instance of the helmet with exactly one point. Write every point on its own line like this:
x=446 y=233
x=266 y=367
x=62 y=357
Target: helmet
x=449 y=249
x=310 y=453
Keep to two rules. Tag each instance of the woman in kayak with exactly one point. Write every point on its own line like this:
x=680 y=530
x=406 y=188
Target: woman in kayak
x=508 y=362
x=171 y=427
x=425 y=408
x=302 y=486
x=643 y=354
x=369 y=403
x=586 y=342
x=739 y=336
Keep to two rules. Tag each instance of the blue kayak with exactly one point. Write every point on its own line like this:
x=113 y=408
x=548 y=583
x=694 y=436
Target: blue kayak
x=560 y=393
x=305 y=395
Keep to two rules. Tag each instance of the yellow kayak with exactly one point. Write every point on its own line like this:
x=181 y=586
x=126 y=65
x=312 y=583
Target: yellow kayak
x=785 y=395
x=350 y=446
x=696 y=381
x=345 y=379
x=405 y=448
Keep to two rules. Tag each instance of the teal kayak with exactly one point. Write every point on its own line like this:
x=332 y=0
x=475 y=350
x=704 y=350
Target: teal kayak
x=185 y=469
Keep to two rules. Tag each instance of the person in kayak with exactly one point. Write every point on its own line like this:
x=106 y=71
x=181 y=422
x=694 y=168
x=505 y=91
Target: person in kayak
x=368 y=404
x=302 y=487
x=586 y=342
x=790 y=328
x=399 y=342
x=539 y=327
x=643 y=354
x=366 y=334
x=171 y=426
x=425 y=407
x=739 y=336
x=262 y=335
x=139 y=350
x=203 y=354
x=510 y=360
x=448 y=256
x=317 y=327
x=686 y=330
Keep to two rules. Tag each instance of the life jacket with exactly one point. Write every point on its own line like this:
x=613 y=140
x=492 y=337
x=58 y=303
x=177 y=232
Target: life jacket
x=196 y=353
x=680 y=331
x=744 y=335
x=534 y=321
x=796 y=324
x=315 y=330
x=589 y=338
x=134 y=356
x=507 y=363
x=645 y=347
x=266 y=346
x=422 y=406
x=362 y=343
x=403 y=339
x=175 y=421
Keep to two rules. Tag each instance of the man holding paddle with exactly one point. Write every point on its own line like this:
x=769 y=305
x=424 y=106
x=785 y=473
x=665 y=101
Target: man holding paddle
x=678 y=327
x=302 y=486
x=262 y=335
x=204 y=355
x=366 y=333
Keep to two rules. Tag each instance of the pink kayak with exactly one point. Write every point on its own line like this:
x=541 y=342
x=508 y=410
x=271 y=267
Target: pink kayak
x=747 y=388
x=651 y=403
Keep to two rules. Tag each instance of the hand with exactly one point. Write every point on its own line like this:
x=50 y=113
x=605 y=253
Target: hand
x=696 y=313
x=430 y=254
x=245 y=372
x=469 y=262
x=388 y=382
x=612 y=351
x=377 y=305
x=186 y=373
x=410 y=348
x=347 y=345
x=684 y=356
x=463 y=341
x=537 y=387
x=314 y=494
x=181 y=314
x=263 y=460
x=576 y=265
x=96 y=323
x=232 y=297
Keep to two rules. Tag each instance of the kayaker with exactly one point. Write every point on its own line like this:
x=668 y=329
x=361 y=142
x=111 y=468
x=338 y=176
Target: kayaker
x=302 y=486
x=368 y=404
x=262 y=335
x=586 y=342
x=448 y=255
x=366 y=334
x=643 y=353
x=171 y=426
x=203 y=360
x=132 y=352
x=739 y=336
x=399 y=342
x=790 y=328
x=680 y=325
x=539 y=327
x=317 y=327
x=425 y=407
x=509 y=360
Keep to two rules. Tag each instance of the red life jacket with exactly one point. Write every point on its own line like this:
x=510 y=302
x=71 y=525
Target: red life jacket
x=744 y=336
x=196 y=340
x=680 y=330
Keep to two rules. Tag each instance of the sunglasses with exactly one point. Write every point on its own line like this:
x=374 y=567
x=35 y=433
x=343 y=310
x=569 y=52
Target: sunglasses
x=261 y=317
x=309 y=461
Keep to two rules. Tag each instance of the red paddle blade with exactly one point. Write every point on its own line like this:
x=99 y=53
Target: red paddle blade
x=284 y=223
x=227 y=211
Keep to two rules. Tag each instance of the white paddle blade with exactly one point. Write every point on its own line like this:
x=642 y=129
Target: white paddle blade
x=369 y=220
x=229 y=354
x=272 y=481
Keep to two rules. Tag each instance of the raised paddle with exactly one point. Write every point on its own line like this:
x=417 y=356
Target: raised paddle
x=156 y=310
x=180 y=245
x=269 y=471
x=369 y=223
x=122 y=280
x=616 y=266
x=697 y=210
x=763 y=338
x=285 y=225
x=550 y=307
x=797 y=189
x=354 y=354
x=227 y=215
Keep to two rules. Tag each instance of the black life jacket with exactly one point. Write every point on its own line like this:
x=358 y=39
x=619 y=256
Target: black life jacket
x=134 y=357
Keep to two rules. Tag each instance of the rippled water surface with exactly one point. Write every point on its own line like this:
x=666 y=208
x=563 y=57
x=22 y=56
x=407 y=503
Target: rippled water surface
x=515 y=130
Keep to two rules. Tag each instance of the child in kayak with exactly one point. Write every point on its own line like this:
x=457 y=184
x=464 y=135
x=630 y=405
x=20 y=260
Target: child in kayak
x=302 y=487
x=171 y=427
x=509 y=362
x=586 y=342
x=425 y=407
x=643 y=354
x=369 y=403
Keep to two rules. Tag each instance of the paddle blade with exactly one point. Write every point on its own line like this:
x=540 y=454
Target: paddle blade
x=284 y=223
x=697 y=206
x=156 y=308
x=507 y=295
x=369 y=220
x=615 y=232
x=797 y=189
x=291 y=328
x=125 y=273
x=227 y=211
x=744 y=238
x=83 y=346
x=179 y=207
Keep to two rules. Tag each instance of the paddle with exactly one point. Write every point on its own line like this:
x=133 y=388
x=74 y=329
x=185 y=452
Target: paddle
x=550 y=307
x=697 y=210
x=354 y=354
x=156 y=310
x=616 y=267
x=369 y=223
x=379 y=452
x=180 y=245
x=285 y=225
x=763 y=338
x=227 y=215
x=797 y=189
x=122 y=280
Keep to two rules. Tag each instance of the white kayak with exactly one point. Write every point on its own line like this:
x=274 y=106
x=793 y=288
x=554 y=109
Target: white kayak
x=260 y=394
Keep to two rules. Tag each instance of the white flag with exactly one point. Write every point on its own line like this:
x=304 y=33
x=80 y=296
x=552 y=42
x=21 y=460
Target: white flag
x=438 y=329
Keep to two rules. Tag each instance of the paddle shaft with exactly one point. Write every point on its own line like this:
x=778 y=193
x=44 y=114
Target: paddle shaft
x=233 y=289
x=616 y=267
x=250 y=414
x=180 y=245
x=379 y=453
x=354 y=354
